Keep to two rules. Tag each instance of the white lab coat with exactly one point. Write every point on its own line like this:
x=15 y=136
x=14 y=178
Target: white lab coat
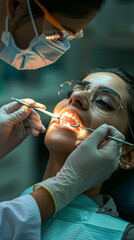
x=20 y=219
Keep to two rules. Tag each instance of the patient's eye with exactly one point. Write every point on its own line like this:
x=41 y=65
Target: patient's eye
x=105 y=100
x=103 y=103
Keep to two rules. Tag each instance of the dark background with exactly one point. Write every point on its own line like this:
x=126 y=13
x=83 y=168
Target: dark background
x=108 y=41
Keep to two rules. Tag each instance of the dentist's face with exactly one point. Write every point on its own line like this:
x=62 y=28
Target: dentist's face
x=21 y=27
x=77 y=108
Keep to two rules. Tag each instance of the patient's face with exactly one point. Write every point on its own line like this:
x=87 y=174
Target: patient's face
x=61 y=137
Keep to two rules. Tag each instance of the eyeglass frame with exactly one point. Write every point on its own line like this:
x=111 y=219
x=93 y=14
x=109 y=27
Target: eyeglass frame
x=121 y=106
x=56 y=24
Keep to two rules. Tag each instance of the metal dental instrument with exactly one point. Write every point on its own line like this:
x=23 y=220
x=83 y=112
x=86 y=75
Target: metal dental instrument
x=114 y=138
x=74 y=126
x=36 y=108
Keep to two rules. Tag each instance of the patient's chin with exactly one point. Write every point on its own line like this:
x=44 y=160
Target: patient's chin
x=59 y=142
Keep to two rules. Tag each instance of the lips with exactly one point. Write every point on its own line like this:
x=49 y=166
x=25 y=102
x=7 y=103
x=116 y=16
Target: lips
x=70 y=120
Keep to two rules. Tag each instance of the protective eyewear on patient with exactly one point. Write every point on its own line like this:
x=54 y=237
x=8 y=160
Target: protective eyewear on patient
x=103 y=100
x=60 y=32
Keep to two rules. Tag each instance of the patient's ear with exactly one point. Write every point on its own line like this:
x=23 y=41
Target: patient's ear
x=13 y=7
x=127 y=157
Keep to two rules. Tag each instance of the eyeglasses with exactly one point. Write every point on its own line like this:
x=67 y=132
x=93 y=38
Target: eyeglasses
x=61 y=33
x=103 y=100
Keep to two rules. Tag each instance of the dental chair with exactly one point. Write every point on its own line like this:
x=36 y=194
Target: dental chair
x=120 y=186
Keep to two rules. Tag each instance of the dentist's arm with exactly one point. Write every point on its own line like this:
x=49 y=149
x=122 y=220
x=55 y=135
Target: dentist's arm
x=86 y=167
x=20 y=219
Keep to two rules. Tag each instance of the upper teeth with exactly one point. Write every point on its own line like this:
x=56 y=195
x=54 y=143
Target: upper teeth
x=66 y=114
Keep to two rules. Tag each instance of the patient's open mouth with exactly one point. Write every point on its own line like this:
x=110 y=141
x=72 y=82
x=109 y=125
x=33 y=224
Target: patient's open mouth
x=69 y=120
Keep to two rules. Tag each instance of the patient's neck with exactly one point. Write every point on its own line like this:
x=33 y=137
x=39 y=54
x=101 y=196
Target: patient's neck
x=55 y=163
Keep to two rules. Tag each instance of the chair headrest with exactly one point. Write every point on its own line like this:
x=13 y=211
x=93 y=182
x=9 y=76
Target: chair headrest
x=120 y=186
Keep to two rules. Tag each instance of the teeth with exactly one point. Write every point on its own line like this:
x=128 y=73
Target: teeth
x=65 y=123
x=66 y=114
x=70 y=115
x=74 y=118
x=68 y=125
x=63 y=115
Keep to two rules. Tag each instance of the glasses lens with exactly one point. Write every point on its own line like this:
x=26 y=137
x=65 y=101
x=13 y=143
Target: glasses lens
x=105 y=102
x=67 y=88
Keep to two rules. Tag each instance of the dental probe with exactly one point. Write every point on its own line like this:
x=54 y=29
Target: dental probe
x=114 y=138
x=55 y=116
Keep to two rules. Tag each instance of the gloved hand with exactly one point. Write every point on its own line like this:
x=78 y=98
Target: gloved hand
x=16 y=123
x=86 y=167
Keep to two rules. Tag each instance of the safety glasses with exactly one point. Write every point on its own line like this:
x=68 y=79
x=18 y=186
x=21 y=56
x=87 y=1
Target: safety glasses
x=103 y=100
x=61 y=33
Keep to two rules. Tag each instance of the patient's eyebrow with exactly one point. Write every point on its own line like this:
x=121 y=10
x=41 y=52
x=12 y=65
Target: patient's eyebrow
x=107 y=89
x=102 y=87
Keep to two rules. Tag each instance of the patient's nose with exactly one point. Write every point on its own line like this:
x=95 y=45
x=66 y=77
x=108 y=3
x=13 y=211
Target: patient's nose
x=80 y=99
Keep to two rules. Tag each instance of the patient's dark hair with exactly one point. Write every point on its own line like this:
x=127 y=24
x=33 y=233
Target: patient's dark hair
x=129 y=80
x=70 y=8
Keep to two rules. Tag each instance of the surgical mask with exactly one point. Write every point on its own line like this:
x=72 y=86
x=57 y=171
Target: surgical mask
x=40 y=53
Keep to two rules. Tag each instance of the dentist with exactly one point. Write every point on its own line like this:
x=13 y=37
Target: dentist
x=34 y=34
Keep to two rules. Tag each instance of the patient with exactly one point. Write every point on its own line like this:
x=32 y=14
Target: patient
x=104 y=96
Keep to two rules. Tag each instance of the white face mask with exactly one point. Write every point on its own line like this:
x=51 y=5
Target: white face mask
x=40 y=53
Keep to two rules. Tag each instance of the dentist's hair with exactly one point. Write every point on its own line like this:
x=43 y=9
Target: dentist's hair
x=129 y=80
x=70 y=8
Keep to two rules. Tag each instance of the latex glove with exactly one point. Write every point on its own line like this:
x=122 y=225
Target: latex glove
x=86 y=167
x=16 y=123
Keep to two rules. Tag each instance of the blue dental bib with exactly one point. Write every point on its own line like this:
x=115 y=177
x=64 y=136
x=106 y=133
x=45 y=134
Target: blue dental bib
x=79 y=220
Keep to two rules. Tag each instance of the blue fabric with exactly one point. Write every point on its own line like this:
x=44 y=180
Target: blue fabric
x=79 y=221
x=20 y=219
